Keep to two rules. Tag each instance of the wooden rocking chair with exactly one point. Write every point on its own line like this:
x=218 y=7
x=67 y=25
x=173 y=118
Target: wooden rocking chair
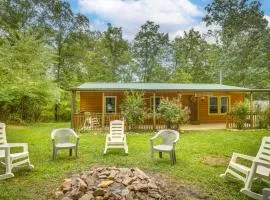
x=12 y=160
x=260 y=168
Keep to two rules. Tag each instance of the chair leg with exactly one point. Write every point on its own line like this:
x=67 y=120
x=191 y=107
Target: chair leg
x=160 y=154
x=105 y=150
x=126 y=149
x=174 y=157
x=54 y=154
x=70 y=152
x=171 y=157
x=76 y=152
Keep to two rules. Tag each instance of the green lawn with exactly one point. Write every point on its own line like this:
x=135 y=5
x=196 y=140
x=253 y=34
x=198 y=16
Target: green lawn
x=192 y=149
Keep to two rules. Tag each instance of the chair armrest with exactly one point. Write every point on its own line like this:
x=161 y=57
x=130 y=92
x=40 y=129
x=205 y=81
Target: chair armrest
x=238 y=155
x=4 y=147
x=155 y=137
x=261 y=162
x=24 y=145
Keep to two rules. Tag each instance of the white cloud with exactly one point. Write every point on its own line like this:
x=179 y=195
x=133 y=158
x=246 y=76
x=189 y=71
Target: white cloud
x=267 y=17
x=172 y=15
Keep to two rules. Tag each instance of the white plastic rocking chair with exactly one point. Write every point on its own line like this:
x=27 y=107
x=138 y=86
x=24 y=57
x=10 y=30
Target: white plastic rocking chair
x=260 y=168
x=12 y=160
x=116 y=138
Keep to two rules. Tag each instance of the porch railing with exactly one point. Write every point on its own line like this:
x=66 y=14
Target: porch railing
x=79 y=119
x=251 y=120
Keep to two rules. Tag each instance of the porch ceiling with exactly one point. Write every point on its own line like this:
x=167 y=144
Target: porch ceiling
x=159 y=87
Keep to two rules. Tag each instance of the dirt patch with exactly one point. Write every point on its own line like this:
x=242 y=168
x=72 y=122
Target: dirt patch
x=17 y=127
x=178 y=189
x=215 y=161
x=112 y=183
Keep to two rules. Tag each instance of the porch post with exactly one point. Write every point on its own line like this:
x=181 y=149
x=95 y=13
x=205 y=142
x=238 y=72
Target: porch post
x=251 y=109
x=179 y=97
x=269 y=100
x=198 y=109
x=103 y=111
x=73 y=108
x=154 y=111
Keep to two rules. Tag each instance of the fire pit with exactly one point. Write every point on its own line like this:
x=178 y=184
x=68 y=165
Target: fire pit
x=111 y=183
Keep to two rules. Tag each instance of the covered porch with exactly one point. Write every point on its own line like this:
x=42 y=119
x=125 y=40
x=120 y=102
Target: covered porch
x=208 y=103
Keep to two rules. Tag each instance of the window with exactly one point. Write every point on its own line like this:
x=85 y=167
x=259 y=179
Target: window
x=157 y=102
x=110 y=104
x=218 y=105
x=213 y=105
x=224 y=104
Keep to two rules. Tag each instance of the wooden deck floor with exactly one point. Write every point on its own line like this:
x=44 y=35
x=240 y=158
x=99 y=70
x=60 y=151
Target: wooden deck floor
x=201 y=127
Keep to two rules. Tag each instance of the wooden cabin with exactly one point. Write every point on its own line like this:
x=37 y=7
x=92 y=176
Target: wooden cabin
x=208 y=103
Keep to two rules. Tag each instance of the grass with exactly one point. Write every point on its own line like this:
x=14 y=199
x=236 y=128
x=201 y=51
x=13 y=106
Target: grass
x=192 y=149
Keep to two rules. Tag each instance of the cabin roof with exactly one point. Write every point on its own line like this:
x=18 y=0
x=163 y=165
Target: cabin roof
x=158 y=87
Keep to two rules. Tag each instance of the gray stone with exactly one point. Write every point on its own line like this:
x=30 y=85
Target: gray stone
x=125 y=192
x=99 y=192
x=113 y=174
x=66 y=198
x=66 y=185
x=87 y=196
x=102 y=176
x=127 y=180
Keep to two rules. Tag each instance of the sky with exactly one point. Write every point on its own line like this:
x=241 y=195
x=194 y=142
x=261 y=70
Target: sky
x=173 y=16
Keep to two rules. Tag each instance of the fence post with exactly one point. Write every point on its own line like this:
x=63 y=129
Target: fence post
x=103 y=111
x=154 y=111
x=251 y=110
x=227 y=124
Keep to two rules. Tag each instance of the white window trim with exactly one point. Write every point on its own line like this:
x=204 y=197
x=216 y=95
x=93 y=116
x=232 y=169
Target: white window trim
x=115 y=106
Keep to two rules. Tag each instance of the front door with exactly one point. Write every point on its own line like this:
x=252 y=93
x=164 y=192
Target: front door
x=193 y=107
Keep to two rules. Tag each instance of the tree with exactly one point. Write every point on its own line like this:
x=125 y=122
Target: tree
x=118 y=50
x=245 y=41
x=149 y=49
x=193 y=59
x=235 y=17
x=25 y=83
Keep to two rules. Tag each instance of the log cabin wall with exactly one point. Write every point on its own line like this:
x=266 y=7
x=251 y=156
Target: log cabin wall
x=92 y=102
x=204 y=115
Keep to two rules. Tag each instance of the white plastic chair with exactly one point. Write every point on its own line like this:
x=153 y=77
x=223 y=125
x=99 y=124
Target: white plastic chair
x=64 y=135
x=116 y=138
x=169 y=139
x=12 y=160
x=260 y=168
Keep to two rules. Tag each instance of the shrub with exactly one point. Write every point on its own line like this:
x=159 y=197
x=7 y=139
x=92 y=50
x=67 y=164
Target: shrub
x=132 y=109
x=264 y=118
x=171 y=112
x=240 y=112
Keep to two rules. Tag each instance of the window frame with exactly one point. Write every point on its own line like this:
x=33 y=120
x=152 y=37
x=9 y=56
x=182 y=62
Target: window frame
x=152 y=102
x=219 y=105
x=209 y=105
x=115 y=106
x=228 y=105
